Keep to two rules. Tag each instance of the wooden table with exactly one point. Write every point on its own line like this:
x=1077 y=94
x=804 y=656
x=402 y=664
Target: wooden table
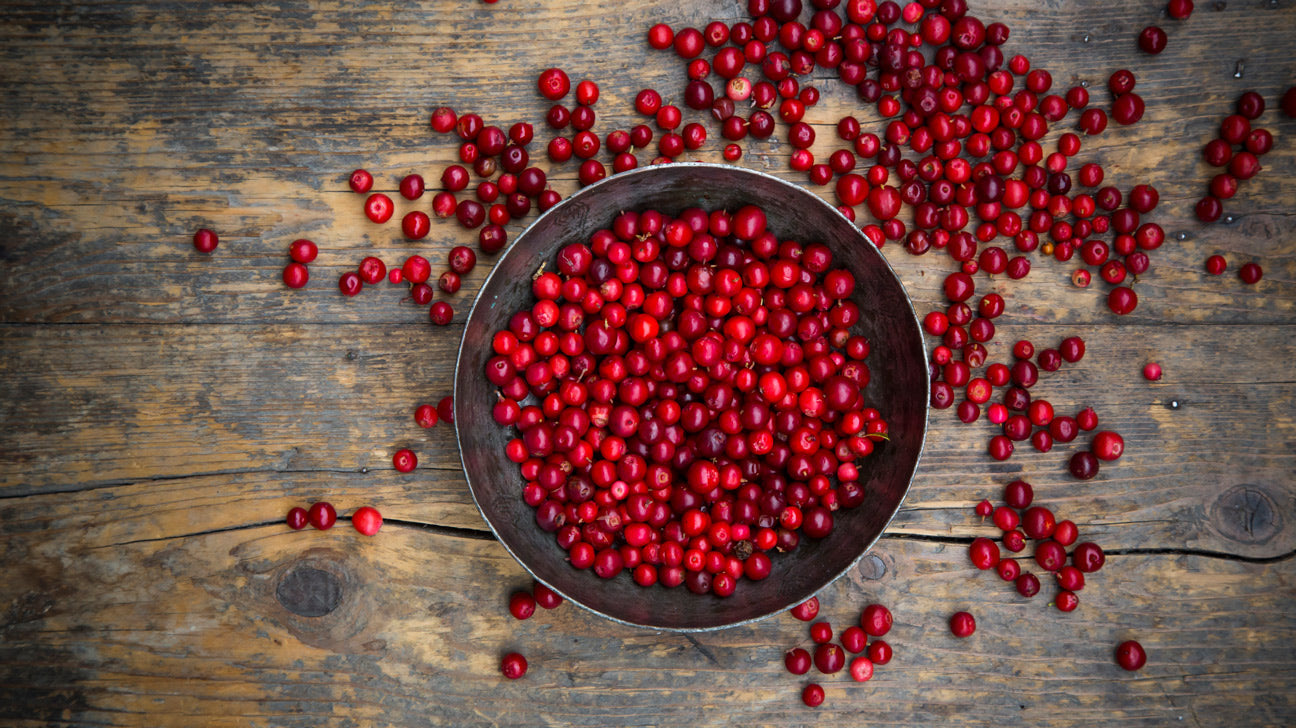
x=163 y=409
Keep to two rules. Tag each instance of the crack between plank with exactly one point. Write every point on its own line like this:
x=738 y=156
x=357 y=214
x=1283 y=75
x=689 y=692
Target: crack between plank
x=119 y=482
x=1204 y=553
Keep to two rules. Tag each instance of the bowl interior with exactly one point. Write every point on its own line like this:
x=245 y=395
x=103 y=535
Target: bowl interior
x=898 y=388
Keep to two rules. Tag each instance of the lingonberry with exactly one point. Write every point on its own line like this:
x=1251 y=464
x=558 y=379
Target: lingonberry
x=1130 y=655
x=1107 y=445
x=1250 y=273
x=1027 y=584
x=807 y=610
x=854 y=639
x=984 y=553
x=367 y=520
x=1152 y=40
x=372 y=270
x=876 y=620
x=297 y=518
x=441 y=313
x=205 y=241
x=829 y=658
x=546 y=597
x=360 y=181
x=322 y=515
x=553 y=83
x=521 y=605
x=812 y=695
x=295 y=275
x=1088 y=557
x=962 y=624
x=797 y=661
x=513 y=666
x=1083 y=465
x=425 y=415
x=1019 y=494
x=404 y=460
x=303 y=251
x=861 y=669
x=349 y=283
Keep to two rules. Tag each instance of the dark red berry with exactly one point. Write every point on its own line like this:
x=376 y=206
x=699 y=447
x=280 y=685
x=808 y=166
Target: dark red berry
x=962 y=624
x=322 y=515
x=1130 y=655
x=297 y=518
x=513 y=665
x=205 y=241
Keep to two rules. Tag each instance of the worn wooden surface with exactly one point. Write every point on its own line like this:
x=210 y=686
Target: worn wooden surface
x=161 y=410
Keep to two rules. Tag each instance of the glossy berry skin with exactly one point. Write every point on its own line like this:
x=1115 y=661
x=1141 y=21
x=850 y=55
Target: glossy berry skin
x=861 y=669
x=367 y=520
x=426 y=416
x=821 y=633
x=1250 y=273
x=1216 y=265
x=445 y=408
x=553 y=83
x=1088 y=557
x=1108 y=445
x=521 y=605
x=360 y=181
x=813 y=695
x=1152 y=371
x=546 y=597
x=513 y=666
x=876 y=620
x=797 y=661
x=379 y=207
x=879 y=651
x=322 y=515
x=1152 y=40
x=297 y=518
x=205 y=241
x=962 y=624
x=349 y=283
x=303 y=251
x=829 y=658
x=295 y=275
x=404 y=460
x=1130 y=655
x=807 y=610
x=854 y=639
x=984 y=553
x=441 y=313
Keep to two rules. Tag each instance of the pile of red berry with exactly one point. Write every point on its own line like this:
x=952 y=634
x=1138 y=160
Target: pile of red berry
x=699 y=397
x=1019 y=521
x=830 y=658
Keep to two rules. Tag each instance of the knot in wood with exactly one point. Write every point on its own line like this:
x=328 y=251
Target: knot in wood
x=309 y=592
x=1247 y=514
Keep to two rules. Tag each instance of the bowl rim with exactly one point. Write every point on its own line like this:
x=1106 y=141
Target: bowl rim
x=621 y=177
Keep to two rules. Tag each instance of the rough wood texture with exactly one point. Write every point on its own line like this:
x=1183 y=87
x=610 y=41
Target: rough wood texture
x=161 y=410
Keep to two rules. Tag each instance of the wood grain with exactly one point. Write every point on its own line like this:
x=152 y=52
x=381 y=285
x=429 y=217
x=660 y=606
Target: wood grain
x=161 y=409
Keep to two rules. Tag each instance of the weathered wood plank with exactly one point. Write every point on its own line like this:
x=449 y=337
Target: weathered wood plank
x=420 y=622
x=269 y=417
x=114 y=163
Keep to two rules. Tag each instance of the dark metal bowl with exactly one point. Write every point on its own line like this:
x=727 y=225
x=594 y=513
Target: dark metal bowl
x=899 y=388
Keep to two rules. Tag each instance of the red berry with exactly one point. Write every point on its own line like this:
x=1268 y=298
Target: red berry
x=812 y=695
x=821 y=633
x=1151 y=371
x=295 y=275
x=546 y=597
x=367 y=520
x=404 y=460
x=513 y=666
x=426 y=416
x=1152 y=40
x=379 y=207
x=854 y=639
x=322 y=515
x=876 y=620
x=205 y=241
x=441 y=313
x=411 y=186
x=1130 y=655
x=303 y=251
x=1250 y=273
x=962 y=624
x=1107 y=445
x=879 y=652
x=797 y=661
x=372 y=270
x=445 y=409
x=807 y=610
x=1179 y=9
x=349 y=283
x=522 y=605
x=416 y=225
x=829 y=658
x=553 y=83
x=297 y=518
x=861 y=669
x=360 y=181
